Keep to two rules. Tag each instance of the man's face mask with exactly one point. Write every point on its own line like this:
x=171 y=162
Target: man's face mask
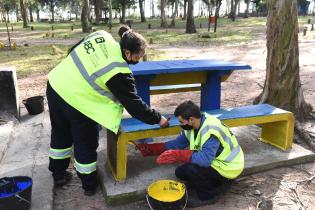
x=187 y=127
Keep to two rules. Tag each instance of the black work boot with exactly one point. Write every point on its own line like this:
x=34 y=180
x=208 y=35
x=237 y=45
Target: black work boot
x=90 y=191
x=59 y=182
x=194 y=201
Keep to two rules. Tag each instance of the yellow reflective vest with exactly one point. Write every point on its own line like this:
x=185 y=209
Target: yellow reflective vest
x=230 y=163
x=81 y=77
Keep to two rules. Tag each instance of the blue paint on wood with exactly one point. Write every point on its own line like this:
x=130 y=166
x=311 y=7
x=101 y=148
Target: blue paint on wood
x=132 y=125
x=211 y=92
x=176 y=66
x=144 y=72
x=143 y=89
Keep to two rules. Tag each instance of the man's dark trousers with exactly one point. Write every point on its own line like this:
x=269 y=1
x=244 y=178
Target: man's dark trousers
x=70 y=127
x=207 y=182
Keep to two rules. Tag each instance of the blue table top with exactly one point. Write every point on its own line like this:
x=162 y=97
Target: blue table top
x=175 y=66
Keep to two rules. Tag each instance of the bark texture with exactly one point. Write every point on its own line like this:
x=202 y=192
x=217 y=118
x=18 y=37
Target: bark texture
x=190 y=23
x=163 y=18
x=282 y=85
x=85 y=17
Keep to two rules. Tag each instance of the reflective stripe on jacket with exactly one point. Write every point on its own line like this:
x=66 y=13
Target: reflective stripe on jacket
x=230 y=163
x=81 y=77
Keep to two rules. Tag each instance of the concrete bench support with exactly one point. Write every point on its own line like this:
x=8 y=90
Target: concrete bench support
x=9 y=98
x=277 y=127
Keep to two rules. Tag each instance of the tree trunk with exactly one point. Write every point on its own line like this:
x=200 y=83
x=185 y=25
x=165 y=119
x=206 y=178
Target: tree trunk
x=163 y=18
x=234 y=4
x=174 y=15
x=37 y=14
x=31 y=14
x=232 y=9
x=185 y=10
x=282 y=85
x=123 y=12
x=142 y=10
x=190 y=24
x=52 y=10
x=23 y=13
x=17 y=12
x=110 y=11
x=8 y=17
x=85 y=17
x=247 y=9
x=97 y=11
x=152 y=8
x=217 y=10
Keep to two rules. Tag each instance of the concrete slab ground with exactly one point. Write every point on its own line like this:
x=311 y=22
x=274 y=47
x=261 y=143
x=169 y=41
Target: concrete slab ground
x=141 y=172
x=26 y=154
x=24 y=147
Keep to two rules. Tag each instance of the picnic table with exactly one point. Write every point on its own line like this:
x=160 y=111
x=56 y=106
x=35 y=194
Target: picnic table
x=185 y=75
x=155 y=77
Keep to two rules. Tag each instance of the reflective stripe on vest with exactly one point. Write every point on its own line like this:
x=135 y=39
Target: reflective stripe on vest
x=91 y=79
x=230 y=162
x=234 y=151
x=60 y=153
x=85 y=168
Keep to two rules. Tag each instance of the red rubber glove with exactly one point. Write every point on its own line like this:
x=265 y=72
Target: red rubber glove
x=150 y=149
x=175 y=156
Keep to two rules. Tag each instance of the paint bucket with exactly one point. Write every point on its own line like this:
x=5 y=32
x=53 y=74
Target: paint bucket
x=34 y=105
x=167 y=194
x=15 y=193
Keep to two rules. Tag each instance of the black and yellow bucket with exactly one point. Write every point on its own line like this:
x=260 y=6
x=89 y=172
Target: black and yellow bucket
x=167 y=194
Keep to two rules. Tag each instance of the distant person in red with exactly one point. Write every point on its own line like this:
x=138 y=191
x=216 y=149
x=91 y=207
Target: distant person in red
x=209 y=151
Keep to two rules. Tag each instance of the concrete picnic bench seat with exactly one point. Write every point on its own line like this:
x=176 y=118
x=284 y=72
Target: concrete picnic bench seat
x=277 y=127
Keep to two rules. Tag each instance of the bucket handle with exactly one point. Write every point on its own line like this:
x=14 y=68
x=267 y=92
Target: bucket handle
x=147 y=197
x=23 y=199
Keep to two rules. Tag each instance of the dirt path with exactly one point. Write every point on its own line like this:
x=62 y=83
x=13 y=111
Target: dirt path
x=288 y=187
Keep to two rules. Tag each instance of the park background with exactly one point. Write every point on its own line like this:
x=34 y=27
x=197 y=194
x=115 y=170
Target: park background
x=40 y=39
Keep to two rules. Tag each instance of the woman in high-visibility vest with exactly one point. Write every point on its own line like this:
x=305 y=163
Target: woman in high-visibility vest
x=209 y=151
x=90 y=87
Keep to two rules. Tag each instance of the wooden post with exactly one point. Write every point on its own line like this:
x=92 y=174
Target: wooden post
x=72 y=28
x=11 y=28
x=149 y=26
x=309 y=21
x=200 y=25
x=312 y=27
x=304 y=30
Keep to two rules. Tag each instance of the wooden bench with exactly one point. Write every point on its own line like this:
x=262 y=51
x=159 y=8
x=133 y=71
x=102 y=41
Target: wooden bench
x=277 y=129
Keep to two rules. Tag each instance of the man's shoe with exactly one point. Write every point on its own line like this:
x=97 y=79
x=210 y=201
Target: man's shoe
x=194 y=201
x=64 y=180
x=90 y=192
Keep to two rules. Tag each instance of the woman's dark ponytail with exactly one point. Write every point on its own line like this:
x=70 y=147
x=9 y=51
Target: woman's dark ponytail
x=130 y=40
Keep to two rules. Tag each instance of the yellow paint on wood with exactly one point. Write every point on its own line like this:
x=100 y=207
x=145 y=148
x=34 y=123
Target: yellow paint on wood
x=277 y=130
x=179 y=78
x=175 y=90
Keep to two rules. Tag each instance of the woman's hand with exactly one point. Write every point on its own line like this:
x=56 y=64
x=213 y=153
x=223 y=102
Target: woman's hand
x=164 y=122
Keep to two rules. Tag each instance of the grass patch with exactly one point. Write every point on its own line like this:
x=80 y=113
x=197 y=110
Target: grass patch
x=33 y=59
